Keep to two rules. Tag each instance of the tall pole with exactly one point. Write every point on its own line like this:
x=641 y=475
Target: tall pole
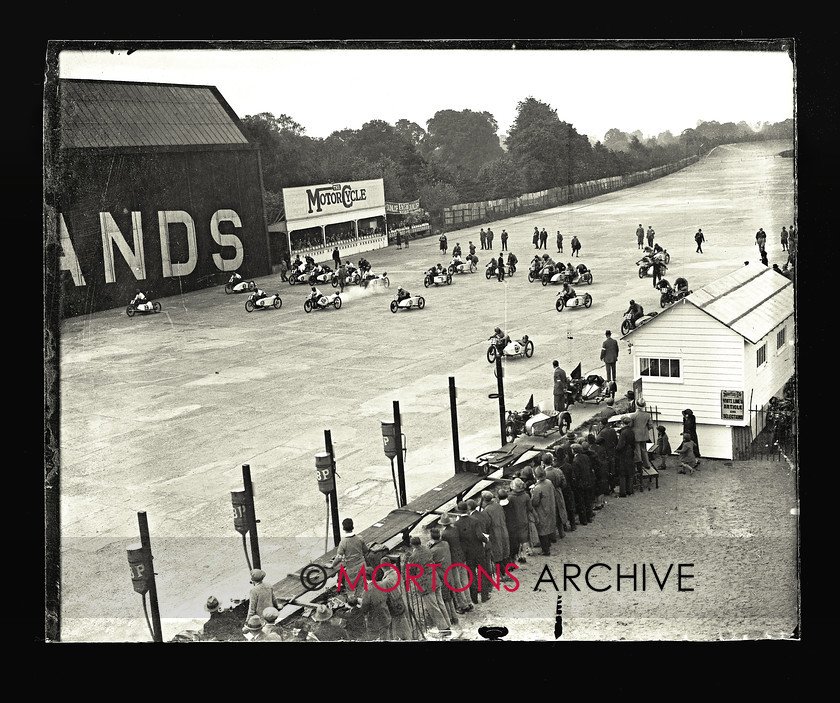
x=333 y=494
x=398 y=440
x=501 y=390
x=146 y=543
x=252 y=516
x=453 y=411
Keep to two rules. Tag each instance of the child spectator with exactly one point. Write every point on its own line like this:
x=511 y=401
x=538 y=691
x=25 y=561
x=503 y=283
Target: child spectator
x=688 y=460
x=662 y=448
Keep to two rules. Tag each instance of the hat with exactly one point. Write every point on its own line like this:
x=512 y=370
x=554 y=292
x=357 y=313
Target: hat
x=445 y=520
x=270 y=614
x=254 y=623
x=570 y=436
x=322 y=613
x=462 y=506
x=415 y=540
x=577 y=447
x=257 y=575
x=487 y=495
x=517 y=485
x=212 y=604
x=471 y=504
x=640 y=403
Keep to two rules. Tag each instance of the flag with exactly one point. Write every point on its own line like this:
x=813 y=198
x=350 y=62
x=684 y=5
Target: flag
x=530 y=405
x=576 y=373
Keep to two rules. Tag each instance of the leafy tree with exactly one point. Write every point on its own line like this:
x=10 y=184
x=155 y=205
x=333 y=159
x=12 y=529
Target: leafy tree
x=461 y=142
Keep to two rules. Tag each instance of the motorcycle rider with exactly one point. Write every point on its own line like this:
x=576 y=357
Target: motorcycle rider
x=512 y=261
x=681 y=286
x=635 y=311
x=234 y=279
x=581 y=269
x=315 y=295
x=364 y=265
x=568 y=292
x=258 y=294
x=139 y=299
x=402 y=294
x=500 y=339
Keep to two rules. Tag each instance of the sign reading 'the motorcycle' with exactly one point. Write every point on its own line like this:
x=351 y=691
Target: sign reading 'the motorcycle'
x=732 y=405
x=333 y=198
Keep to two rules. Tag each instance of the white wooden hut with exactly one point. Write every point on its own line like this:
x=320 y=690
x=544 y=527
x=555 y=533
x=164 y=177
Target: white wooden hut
x=723 y=351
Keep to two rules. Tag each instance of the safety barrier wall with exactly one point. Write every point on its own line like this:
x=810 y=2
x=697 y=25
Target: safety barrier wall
x=463 y=214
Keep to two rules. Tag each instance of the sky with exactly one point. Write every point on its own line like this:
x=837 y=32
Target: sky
x=324 y=90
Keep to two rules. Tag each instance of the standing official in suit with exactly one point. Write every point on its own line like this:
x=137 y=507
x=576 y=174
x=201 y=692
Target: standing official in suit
x=609 y=355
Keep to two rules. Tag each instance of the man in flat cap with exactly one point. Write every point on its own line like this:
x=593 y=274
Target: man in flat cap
x=261 y=595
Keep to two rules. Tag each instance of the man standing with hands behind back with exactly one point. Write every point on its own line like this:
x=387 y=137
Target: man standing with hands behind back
x=609 y=355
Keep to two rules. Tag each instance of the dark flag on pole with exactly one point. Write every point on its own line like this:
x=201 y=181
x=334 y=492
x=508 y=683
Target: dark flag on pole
x=530 y=405
x=576 y=373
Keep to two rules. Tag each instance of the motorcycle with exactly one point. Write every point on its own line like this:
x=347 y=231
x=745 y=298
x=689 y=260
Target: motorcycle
x=145 y=308
x=519 y=347
x=646 y=267
x=269 y=301
x=326 y=276
x=581 y=300
x=627 y=324
x=351 y=279
x=468 y=266
x=492 y=269
x=414 y=301
x=369 y=278
x=302 y=275
x=591 y=387
x=437 y=279
x=515 y=422
x=239 y=286
x=324 y=301
x=669 y=296
x=576 y=277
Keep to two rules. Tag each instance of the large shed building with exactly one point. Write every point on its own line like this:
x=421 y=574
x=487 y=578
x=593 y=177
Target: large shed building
x=155 y=187
x=722 y=352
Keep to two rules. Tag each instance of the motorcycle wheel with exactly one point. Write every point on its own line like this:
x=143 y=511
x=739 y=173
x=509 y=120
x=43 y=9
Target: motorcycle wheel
x=511 y=270
x=394 y=306
x=228 y=288
x=663 y=301
x=156 y=306
x=530 y=277
x=488 y=274
x=249 y=305
x=421 y=302
x=641 y=272
x=589 y=278
x=667 y=258
x=449 y=280
x=491 y=353
x=292 y=280
x=625 y=327
x=587 y=301
x=472 y=266
x=278 y=303
x=130 y=311
x=426 y=282
x=529 y=349
x=560 y=304
x=387 y=282
x=545 y=281
x=252 y=285
x=334 y=282
x=307 y=306
x=337 y=303
x=451 y=268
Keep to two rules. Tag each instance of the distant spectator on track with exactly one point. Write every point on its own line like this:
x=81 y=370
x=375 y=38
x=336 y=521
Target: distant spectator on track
x=575 y=246
x=609 y=355
x=650 y=235
x=504 y=237
x=699 y=238
x=536 y=238
x=784 y=238
x=640 y=236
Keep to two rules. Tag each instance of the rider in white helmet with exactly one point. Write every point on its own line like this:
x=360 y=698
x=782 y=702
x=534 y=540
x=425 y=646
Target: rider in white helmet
x=402 y=294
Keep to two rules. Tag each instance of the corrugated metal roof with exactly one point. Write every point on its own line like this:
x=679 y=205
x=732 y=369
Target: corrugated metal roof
x=112 y=114
x=750 y=301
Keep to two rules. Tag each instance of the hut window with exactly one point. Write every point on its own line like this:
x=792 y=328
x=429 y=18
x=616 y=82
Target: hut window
x=761 y=355
x=659 y=368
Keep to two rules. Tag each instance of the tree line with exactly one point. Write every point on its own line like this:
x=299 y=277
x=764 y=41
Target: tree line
x=459 y=156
